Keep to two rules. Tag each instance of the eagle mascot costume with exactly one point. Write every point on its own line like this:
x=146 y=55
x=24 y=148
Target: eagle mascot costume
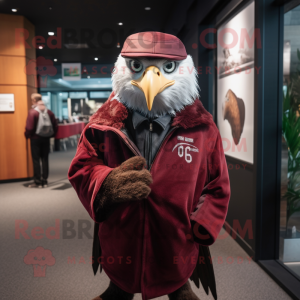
x=151 y=172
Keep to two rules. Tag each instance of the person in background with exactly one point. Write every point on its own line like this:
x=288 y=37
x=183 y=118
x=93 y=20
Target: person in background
x=41 y=125
x=34 y=98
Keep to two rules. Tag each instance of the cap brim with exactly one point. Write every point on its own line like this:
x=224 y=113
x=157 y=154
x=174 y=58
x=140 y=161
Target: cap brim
x=156 y=55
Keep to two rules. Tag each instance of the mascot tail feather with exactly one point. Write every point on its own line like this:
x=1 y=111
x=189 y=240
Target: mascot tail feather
x=96 y=250
x=205 y=272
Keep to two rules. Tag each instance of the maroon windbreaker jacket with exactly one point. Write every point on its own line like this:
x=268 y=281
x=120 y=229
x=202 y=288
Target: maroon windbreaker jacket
x=32 y=120
x=148 y=246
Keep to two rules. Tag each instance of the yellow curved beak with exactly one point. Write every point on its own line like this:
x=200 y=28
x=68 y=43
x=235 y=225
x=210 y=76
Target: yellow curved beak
x=152 y=82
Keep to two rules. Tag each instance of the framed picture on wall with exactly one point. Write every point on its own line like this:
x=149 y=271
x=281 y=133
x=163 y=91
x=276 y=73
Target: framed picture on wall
x=71 y=71
x=235 y=73
x=7 y=102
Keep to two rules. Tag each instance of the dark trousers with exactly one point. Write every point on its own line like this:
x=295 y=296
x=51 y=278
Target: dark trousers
x=40 y=152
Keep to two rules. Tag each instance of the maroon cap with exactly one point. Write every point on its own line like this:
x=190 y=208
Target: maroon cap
x=154 y=44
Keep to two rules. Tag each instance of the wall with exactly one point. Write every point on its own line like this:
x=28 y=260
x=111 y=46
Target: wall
x=15 y=158
x=241 y=215
x=255 y=192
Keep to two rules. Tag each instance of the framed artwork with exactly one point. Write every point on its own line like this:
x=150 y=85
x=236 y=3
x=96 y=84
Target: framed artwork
x=235 y=84
x=7 y=102
x=71 y=71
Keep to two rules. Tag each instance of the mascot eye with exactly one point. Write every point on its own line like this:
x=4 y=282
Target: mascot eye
x=170 y=67
x=136 y=66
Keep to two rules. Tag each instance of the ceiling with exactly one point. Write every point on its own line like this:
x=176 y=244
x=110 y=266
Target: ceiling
x=98 y=20
x=90 y=29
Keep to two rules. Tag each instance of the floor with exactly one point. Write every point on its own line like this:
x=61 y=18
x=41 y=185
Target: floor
x=26 y=218
x=294 y=220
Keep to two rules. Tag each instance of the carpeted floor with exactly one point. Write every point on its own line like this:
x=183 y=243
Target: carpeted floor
x=70 y=276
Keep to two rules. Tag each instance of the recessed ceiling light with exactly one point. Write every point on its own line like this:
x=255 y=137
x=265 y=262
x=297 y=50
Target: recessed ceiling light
x=89 y=77
x=40 y=47
x=147 y=8
x=60 y=94
x=120 y=24
x=59 y=79
x=96 y=58
x=55 y=59
x=14 y=10
x=50 y=7
x=51 y=33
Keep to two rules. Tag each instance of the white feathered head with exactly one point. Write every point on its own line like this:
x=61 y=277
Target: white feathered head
x=155 y=86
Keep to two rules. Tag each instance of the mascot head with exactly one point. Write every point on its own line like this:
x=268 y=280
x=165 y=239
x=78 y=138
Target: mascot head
x=154 y=76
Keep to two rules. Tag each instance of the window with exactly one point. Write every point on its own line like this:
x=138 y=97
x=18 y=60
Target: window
x=289 y=252
x=78 y=95
x=103 y=94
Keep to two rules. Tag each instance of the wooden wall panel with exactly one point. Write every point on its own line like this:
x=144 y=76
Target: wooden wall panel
x=30 y=52
x=15 y=155
x=31 y=76
x=8 y=25
x=12 y=70
x=13 y=158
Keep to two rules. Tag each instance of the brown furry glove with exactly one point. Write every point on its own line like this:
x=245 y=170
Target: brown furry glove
x=128 y=182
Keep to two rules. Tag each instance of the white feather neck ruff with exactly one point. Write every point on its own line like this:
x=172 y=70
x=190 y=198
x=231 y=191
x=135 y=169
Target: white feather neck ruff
x=171 y=100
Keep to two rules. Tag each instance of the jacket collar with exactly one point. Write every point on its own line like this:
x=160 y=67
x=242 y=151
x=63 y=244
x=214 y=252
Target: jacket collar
x=138 y=119
x=113 y=113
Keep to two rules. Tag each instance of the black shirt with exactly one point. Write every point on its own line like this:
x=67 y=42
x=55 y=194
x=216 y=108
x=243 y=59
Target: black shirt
x=148 y=134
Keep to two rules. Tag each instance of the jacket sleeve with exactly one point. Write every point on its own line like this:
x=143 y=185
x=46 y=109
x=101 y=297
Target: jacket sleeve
x=210 y=213
x=87 y=173
x=30 y=124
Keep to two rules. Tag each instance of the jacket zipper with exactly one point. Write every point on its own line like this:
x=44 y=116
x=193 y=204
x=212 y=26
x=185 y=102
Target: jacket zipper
x=150 y=144
x=162 y=143
x=130 y=144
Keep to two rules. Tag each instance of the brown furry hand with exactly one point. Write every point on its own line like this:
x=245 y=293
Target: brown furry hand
x=128 y=182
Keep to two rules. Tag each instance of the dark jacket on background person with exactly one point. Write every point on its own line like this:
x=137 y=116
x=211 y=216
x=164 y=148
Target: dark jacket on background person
x=32 y=121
